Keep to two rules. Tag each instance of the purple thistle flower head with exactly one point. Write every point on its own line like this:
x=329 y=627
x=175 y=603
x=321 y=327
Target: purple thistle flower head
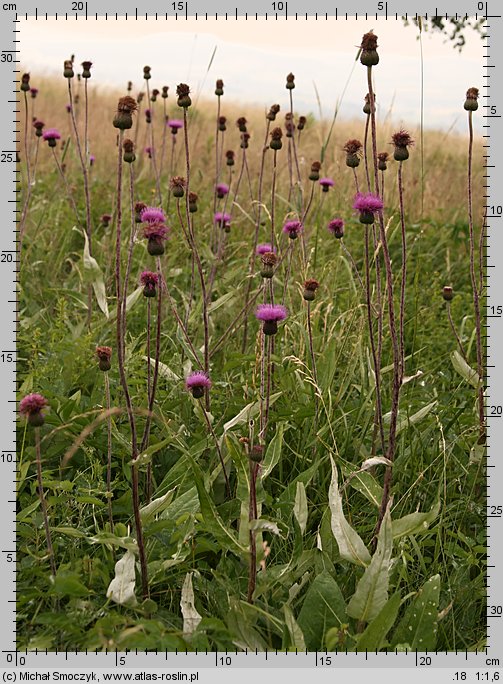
x=34 y=92
x=264 y=248
x=270 y=314
x=51 y=134
x=92 y=159
x=31 y=407
x=149 y=278
x=326 y=183
x=196 y=383
x=152 y=215
x=336 y=226
x=155 y=230
x=175 y=124
x=222 y=189
x=367 y=204
x=223 y=220
x=149 y=281
x=292 y=229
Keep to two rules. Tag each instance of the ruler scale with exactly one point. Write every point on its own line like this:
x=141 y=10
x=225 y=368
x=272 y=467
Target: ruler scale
x=447 y=666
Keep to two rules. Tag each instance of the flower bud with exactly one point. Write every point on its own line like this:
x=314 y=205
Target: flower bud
x=229 y=155
x=257 y=453
x=139 y=207
x=177 y=185
x=192 y=202
x=222 y=123
x=382 y=161
x=245 y=137
x=301 y=123
x=128 y=147
x=315 y=171
x=448 y=293
x=104 y=355
x=353 y=151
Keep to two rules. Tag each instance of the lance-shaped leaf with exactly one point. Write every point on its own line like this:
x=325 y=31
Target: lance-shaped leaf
x=300 y=506
x=414 y=523
x=323 y=608
x=374 y=635
x=467 y=372
x=121 y=588
x=372 y=590
x=351 y=547
x=95 y=277
x=418 y=627
x=296 y=636
x=191 y=617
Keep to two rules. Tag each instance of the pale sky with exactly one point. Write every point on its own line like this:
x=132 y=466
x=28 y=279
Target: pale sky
x=253 y=58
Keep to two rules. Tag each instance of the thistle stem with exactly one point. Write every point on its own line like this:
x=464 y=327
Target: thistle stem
x=455 y=332
x=252 y=513
x=152 y=144
x=219 y=451
x=404 y=273
x=109 y=451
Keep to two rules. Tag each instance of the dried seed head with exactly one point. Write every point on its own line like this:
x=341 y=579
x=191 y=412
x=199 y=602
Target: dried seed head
x=276 y=135
x=139 y=208
x=401 y=140
x=219 y=88
x=86 y=69
x=124 y=116
x=368 y=55
x=177 y=185
x=104 y=355
x=39 y=127
x=245 y=137
x=471 y=102
x=310 y=287
x=269 y=261
x=154 y=95
x=353 y=152
x=290 y=82
x=129 y=86
x=182 y=91
x=128 y=147
x=302 y=123
x=68 y=68
x=146 y=73
x=149 y=280
x=222 y=121
x=382 y=160
x=273 y=111
x=315 y=171
x=192 y=202
x=25 y=82
x=241 y=124
x=229 y=155
x=165 y=92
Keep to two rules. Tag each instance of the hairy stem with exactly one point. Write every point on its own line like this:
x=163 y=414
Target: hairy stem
x=43 y=503
x=109 y=452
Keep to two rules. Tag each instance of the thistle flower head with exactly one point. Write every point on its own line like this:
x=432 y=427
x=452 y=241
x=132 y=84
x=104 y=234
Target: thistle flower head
x=175 y=124
x=51 y=134
x=269 y=258
x=151 y=214
x=123 y=118
x=182 y=91
x=86 y=66
x=164 y=93
x=178 y=185
x=241 y=124
x=367 y=202
x=34 y=92
x=229 y=155
x=326 y=183
x=448 y=293
x=219 y=87
x=353 y=146
x=271 y=312
x=310 y=287
x=25 y=82
x=104 y=355
x=68 y=108
x=31 y=407
x=264 y=248
x=127 y=104
x=401 y=139
x=336 y=226
x=222 y=219
x=149 y=278
x=273 y=111
x=383 y=156
x=105 y=219
x=222 y=189
x=292 y=229
x=155 y=230
x=290 y=81
x=196 y=383
x=368 y=47
x=369 y=41
x=471 y=102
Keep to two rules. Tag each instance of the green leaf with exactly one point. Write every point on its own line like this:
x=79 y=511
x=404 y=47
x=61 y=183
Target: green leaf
x=262 y=525
x=374 y=636
x=351 y=547
x=273 y=452
x=68 y=583
x=467 y=373
x=121 y=588
x=221 y=301
x=128 y=543
x=191 y=617
x=212 y=520
x=164 y=370
x=414 y=522
x=296 y=636
x=364 y=483
x=300 y=507
x=251 y=410
x=418 y=627
x=322 y=609
x=94 y=275
x=148 y=512
x=405 y=421
x=372 y=589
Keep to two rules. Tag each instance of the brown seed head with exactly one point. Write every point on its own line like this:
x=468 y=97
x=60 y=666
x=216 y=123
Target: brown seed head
x=290 y=78
x=276 y=134
x=311 y=285
x=353 y=147
x=182 y=90
x=104 y=353
x=401 y=139
x=316 y=166
x=177 y=182
x=128 y=145
x=86 y=65
x=127 y=104
x=472 y=94
x=369 y=41
x=222 y=120
x=271 y=115
x=193 y=197
x=219 y=83
x=269 y=259
x=383 y=156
